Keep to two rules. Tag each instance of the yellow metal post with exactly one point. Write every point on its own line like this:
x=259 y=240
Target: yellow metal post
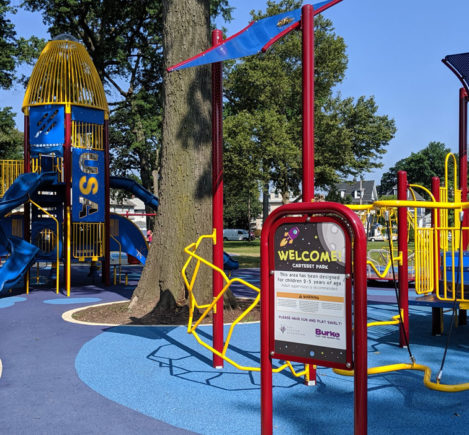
x=68 y=261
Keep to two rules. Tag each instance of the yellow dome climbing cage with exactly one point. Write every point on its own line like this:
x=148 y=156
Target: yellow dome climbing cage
x=65 y=74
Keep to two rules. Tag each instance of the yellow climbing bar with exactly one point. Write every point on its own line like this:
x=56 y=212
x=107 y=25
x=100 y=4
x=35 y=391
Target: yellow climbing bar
x=192 y=326
x=427 y=373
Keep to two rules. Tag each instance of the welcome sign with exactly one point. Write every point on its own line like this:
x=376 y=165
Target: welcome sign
x=312 y=292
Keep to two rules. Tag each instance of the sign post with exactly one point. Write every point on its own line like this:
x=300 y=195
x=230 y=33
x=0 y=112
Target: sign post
x=306 y=296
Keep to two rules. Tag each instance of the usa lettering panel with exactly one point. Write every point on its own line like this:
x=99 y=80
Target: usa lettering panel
x=311 y=292
x=88 y=189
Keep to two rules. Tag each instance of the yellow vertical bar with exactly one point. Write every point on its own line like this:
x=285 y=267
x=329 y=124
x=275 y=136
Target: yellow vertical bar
x=68 y=252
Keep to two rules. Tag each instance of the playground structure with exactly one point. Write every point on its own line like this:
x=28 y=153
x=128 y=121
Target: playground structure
x=63 y=183
x=437 y=264
x=66 y=163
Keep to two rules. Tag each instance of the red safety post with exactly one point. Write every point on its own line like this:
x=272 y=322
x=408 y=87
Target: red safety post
x=437 y=312
x=26 y=169
x=307 y=29
x=360 y=309
x=403 y=268
x=217 y=197
x=106 y=278
x=436 y=225
x=463 y=98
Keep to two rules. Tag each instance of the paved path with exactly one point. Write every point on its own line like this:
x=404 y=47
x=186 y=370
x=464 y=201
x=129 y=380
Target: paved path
x=40 y=391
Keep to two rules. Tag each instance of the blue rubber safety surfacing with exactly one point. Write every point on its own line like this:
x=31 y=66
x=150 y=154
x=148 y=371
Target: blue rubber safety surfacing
x=10 y=301
x=163 y=373
x=69 y=301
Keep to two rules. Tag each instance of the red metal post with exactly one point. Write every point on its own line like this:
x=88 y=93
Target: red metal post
x=360 y=311
x=463 y=98
x=26 y=169
x=437 y=312
x=436 y=225
x=27 y=155
x=307 y=27
x=266 y=360
x=217 y=197
x=403 y=268
x=106 y=278
x=360 y=328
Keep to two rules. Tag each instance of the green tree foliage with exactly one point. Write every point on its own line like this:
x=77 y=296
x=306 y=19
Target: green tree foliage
x=266 y=89
x=11 y=140
x=124 y=39
x=421 y=167
x=7 y=46
x=13 y=52
x=241 y=193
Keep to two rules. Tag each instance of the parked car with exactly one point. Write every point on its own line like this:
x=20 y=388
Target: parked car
x=235 y=234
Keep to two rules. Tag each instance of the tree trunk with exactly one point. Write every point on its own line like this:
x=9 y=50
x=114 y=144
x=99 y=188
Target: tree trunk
x=185 y=177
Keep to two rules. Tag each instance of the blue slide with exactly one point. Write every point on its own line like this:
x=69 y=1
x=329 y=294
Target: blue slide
x=137 y=189
x=133 y=240
x=21 y=253
x=130 y=238
x=229 y=263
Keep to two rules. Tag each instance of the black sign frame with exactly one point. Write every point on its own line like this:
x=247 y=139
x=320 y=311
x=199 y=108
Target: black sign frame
x=322 y=356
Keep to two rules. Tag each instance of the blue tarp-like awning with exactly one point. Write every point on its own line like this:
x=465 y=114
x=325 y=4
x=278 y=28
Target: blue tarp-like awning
x=254 y=38
x=459 y=64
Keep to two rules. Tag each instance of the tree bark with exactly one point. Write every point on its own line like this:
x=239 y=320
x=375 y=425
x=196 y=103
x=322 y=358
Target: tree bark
x=185 y=178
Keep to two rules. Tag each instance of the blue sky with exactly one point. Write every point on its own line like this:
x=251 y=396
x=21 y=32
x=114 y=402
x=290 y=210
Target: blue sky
x=394 y=49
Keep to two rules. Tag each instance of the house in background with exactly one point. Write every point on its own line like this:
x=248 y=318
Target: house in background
x=275 y=201
x=130 y=208
x=361 y=192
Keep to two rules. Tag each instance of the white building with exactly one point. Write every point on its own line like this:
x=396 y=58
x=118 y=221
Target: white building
x=129 y=208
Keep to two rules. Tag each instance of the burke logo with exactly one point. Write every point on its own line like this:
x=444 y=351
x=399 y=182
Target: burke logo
x=327 y=333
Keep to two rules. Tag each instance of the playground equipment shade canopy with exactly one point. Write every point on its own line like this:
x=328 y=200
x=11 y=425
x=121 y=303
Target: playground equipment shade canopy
x=256 y=37
x=459 y=63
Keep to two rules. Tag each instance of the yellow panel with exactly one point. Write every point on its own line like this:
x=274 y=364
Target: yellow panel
x=9 y=172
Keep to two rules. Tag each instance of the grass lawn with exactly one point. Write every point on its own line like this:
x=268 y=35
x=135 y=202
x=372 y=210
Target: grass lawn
x=248 y=253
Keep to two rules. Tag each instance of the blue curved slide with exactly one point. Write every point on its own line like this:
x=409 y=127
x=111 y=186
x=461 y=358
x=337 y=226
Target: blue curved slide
x=229 y=263
x=132 y=242
x=137 y=189
x=21 y=253
x=130 y=239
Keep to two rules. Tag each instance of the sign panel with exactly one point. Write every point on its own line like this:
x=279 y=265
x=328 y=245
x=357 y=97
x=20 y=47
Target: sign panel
x=311 y=296
x=88 y=185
